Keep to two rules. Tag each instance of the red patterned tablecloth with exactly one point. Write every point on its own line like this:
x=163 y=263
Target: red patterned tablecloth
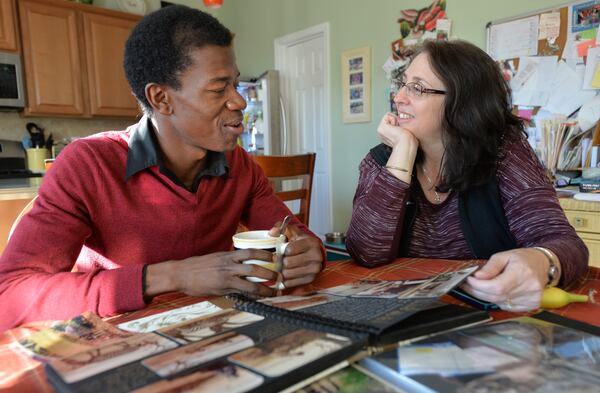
x=20 y=373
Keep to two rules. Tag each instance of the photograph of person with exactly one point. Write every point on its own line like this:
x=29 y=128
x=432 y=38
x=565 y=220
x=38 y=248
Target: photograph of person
x=219 y=377
x=391 y=289
x=476 y=189
x=286 y=353
x=184 y=358
x=204 y=327
x=296 y=302
x=351 y=288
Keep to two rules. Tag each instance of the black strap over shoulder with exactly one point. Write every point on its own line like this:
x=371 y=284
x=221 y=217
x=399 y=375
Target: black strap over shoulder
x=483 y=220
x=381 y=153
x=482 y=216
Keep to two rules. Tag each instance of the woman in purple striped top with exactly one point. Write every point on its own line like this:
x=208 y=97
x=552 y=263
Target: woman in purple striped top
x=455 y=139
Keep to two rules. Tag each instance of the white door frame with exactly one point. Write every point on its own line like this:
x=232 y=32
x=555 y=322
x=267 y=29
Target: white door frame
x=281 y=44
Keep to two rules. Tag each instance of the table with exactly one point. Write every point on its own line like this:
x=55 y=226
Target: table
x=20 y=373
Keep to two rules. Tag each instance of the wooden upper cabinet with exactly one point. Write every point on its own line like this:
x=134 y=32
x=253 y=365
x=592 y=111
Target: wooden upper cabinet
x=8 y=31
x=52 y=58
x=109 y=91
x=73 y=56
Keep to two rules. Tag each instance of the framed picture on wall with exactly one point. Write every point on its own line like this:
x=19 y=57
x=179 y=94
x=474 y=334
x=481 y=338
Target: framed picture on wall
x=356 y=85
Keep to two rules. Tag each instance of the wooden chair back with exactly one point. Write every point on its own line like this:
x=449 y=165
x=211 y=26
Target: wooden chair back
x=299 y=166
x=25 y=210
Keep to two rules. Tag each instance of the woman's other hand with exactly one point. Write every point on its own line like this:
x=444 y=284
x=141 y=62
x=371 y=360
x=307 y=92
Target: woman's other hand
x=513 y=279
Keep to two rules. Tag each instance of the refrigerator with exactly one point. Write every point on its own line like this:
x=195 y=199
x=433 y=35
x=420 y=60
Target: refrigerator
x=264 y=117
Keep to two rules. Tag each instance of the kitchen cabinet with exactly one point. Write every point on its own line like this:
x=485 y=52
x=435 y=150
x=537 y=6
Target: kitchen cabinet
x=105 y=38
x=584 y=216
x=73 y=57
x=12 y=203
x=8 y=28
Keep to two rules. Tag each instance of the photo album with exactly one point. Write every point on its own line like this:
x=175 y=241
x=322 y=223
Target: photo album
x=543 y=353
x=263 y=345
x=374 y=310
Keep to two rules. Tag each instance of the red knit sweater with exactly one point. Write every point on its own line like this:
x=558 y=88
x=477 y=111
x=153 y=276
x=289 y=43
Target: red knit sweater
x=122 y=225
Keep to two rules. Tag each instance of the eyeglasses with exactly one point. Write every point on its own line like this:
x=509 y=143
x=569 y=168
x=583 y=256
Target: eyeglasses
x=415 y=89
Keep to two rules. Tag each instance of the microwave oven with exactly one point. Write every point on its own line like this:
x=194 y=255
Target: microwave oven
x=12 y=92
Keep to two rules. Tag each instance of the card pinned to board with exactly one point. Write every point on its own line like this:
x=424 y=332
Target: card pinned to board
x=596 y=79
x=584 y=46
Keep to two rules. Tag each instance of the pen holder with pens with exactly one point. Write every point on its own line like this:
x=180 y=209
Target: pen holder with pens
x=35 y=159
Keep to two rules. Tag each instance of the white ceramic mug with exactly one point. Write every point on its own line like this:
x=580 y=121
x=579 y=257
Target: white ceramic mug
x=263 y=241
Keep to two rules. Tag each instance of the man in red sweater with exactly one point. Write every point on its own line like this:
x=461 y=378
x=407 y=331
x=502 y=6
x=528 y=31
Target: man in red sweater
x=126 y=215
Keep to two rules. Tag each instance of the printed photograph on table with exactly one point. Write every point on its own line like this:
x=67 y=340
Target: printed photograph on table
x=352 y=288
x=351 y=379
x=78 y=334
x=391 y=289
x=94 y=361
x=519 y=355
x=221 y=377
x=291 y=302
x=184 y=358
x=289 y=352
x=207 y=326
x=356 y=85
x=168 y=318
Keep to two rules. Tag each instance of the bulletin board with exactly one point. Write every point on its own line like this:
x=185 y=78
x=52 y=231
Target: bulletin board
x=514 y=38
x=544 y=48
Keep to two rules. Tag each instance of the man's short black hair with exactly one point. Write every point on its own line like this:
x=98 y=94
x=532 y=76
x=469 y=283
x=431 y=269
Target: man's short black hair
x=158 y=48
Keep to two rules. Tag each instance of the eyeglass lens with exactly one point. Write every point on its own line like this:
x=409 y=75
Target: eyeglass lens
x=412 y=88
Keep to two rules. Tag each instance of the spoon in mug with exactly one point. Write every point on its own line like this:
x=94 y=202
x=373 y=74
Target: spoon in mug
x=284 y=224
x=279 y=286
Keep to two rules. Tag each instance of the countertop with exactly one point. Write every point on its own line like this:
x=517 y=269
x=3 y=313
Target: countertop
x=27 y=188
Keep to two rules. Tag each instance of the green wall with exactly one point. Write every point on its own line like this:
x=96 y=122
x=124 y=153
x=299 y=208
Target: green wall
x=352 y=24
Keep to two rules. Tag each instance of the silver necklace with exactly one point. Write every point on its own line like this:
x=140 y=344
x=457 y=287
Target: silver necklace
x=437 y=197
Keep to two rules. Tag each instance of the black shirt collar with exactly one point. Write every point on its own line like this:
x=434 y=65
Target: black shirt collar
x=144 y=152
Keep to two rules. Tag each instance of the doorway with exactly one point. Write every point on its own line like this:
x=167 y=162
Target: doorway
x=302 y=59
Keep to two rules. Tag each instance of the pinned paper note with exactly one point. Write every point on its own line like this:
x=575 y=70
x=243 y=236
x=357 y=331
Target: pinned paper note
x=549 y=26
x=584 y=46
x=589 y=34
x=596 y=79
x=589 y=114
x=525 y=112
x=591 y=64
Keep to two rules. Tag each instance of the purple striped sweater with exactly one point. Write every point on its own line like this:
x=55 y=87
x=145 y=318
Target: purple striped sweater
x=534 y=215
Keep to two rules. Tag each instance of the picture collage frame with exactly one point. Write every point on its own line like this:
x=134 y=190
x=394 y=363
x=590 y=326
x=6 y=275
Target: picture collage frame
x=356 y=85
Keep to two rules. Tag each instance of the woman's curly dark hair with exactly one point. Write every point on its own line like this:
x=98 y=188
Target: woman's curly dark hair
x=477 y=112
x=158 y=48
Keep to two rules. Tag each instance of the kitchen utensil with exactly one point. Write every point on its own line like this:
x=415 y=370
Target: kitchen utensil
x=284 y=224
x=49 y=142
x=37 y=135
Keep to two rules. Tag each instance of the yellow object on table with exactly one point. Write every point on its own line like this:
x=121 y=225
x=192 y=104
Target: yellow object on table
x=554 y=297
